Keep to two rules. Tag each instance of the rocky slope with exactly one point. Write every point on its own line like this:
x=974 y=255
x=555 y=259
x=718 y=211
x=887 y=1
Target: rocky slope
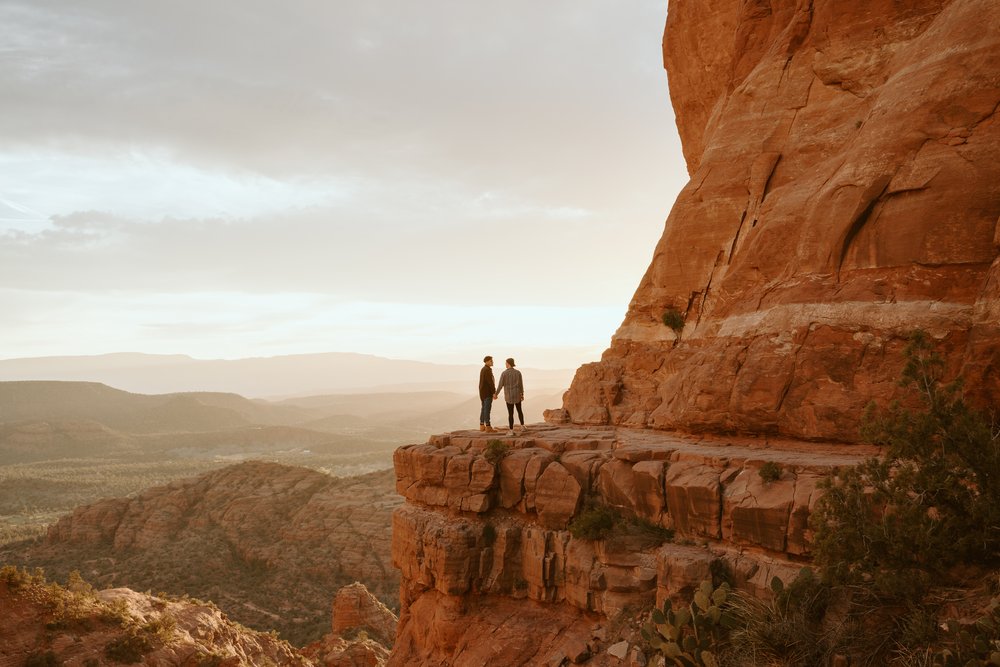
x=270 y=544
x=844 y=191
x=48 y=624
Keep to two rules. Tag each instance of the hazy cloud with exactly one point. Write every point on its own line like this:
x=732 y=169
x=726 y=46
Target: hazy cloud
x=380 y=151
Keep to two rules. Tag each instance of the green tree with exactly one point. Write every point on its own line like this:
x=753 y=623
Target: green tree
x=930 y=503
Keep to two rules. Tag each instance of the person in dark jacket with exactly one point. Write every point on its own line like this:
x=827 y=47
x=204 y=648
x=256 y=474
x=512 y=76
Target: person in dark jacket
x=487 y=389
x=512 y=386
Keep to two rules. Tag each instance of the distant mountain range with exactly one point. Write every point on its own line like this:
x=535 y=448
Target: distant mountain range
x=45 y=420
x=269 y=377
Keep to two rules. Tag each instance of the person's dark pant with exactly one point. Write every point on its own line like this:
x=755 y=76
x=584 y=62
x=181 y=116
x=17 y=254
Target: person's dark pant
x=484 y=414
x=510 y=414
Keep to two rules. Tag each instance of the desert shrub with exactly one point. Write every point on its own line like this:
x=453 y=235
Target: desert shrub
x=695 y=635
x=674 y=319
x=495 y=451
x=115 y=611
x=129 y=647
x=931 y=503
x=785 y=630
x=594 y=522
x=770 y=471
x=208 y=659
x=18 y=533
x=76 y=583
x=160 y=628
x=598 y=521
x=355 y=634
x=71 y=606
x=638 y=526
x=915 y=634
x=15 y=578
x=138 y=640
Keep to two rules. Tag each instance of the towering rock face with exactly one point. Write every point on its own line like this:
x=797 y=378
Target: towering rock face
x=845 y=190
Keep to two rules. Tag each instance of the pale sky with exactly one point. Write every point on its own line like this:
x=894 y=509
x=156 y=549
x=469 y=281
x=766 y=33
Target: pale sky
x=422 y=180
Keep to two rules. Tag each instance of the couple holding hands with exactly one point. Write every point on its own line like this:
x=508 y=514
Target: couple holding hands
x=512 y=387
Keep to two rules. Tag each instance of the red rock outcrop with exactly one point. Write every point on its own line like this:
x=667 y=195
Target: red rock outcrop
x=54 y=626
x=355 y=608
x=845 y=190
x=45 y=623
x=491 y=575
x=362 y=630
x=243 y=536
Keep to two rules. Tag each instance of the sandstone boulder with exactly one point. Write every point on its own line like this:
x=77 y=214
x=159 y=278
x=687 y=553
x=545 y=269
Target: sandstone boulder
x=636 y=488
x=557 y=496
x=756 y=511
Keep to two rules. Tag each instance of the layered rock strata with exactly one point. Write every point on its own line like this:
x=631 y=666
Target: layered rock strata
x=844 y=191
x=491 y=575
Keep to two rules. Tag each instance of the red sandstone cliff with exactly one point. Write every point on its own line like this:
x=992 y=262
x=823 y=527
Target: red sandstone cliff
x=492 y=576
x=845 y=189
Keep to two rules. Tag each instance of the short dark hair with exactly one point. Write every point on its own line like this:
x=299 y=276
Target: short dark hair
x=510 y=360
x=487 y=358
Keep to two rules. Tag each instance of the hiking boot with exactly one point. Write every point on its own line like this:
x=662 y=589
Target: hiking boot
x=482 y=427
x=490 y=429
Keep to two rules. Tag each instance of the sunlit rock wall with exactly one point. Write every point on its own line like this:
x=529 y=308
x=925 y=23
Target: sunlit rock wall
x=845 y=189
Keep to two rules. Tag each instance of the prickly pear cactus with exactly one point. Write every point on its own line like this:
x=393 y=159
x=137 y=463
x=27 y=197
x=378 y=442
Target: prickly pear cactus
x=690 y=636
x=974 y=646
